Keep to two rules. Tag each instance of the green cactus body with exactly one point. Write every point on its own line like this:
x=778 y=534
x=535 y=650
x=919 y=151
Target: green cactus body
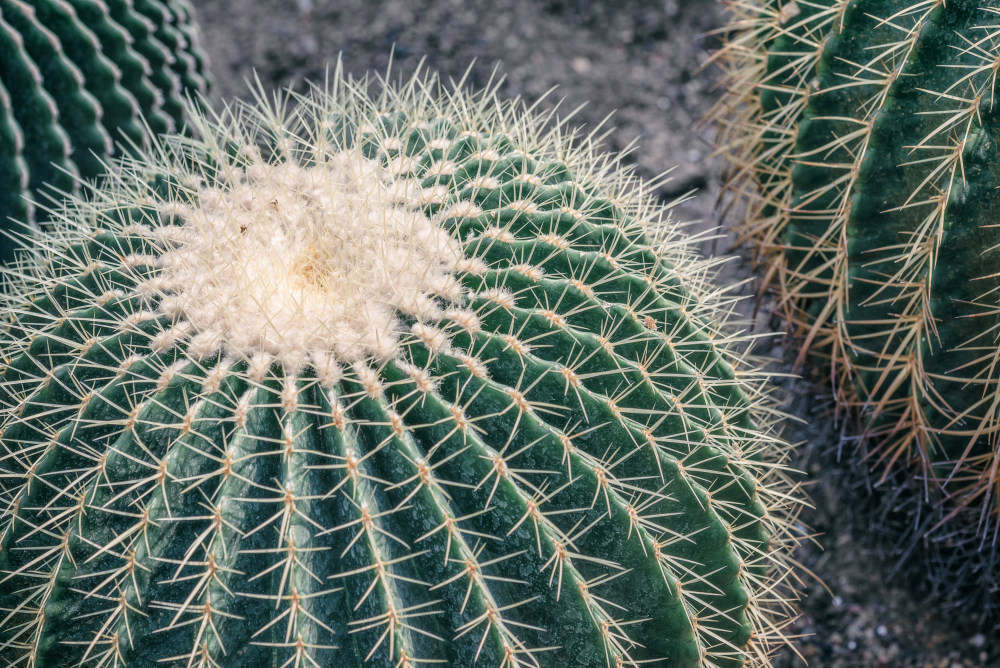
x=13 y=171
x=78 y=110
x=87 y=74
x=116 y=43
x=160 y=60
x=869 y=149
x=178 y=34
x=47 y=154
x=182 y=18
x=389 y=380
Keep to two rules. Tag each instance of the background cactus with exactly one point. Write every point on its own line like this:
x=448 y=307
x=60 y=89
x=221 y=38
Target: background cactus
x=394 y=378
x=78 y=76
x=863 y=136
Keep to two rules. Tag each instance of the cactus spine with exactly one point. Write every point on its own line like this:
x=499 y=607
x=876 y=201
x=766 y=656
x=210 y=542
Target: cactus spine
x=84 y=75
x=388 y=378
x=864 y=136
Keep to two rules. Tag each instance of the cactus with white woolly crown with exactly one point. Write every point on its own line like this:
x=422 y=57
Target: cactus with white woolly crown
x=79 y=76
x=383 y=378
x=864 y=136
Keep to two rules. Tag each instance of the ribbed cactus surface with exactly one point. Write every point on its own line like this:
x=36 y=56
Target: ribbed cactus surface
x=866 y=136
x=80 y=76
x=393 y=378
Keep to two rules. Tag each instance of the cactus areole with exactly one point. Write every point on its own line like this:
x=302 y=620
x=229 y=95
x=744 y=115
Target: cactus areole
x=386 y=378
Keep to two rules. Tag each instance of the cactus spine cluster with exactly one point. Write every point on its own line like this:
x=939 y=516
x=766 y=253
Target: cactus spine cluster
x=79 y=76
x=864 y=137
x=382 y=378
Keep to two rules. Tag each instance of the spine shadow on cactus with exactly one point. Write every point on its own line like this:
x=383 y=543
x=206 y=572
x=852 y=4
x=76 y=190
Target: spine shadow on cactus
x=89 y=75
x=513 y=430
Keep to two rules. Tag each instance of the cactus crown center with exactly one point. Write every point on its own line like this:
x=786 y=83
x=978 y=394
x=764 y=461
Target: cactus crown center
x=304 y=260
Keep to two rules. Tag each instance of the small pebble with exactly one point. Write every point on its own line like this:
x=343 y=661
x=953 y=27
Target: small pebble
x=580 y=65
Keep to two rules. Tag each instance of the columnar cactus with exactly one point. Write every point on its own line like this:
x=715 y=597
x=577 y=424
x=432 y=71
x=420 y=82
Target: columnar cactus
x=386 y=379
x=77 y=76
x=864 y=134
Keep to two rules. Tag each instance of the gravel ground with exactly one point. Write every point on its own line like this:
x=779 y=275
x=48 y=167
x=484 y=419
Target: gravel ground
x=857 y=611
x=639 y=59
x=623 y=57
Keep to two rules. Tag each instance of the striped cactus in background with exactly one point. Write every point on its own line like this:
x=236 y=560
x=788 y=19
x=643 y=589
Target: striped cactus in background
x=79 y=76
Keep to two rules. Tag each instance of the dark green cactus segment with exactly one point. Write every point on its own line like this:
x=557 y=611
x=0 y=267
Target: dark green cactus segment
x=156 y=54
x=560 y=459
x=965 y=285
x=879 y=228
x=831 y=134
x=119 y=109
x=116 y=44
x=35 y=114
x=187 y=63
x=87 y=75
x=183 y=19
x=79 y=111
x=918 y=263
x=792 y=74
x=928 y=201
x=788 y=37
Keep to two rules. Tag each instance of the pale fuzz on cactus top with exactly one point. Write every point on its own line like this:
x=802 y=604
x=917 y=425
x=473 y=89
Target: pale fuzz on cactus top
x=306 y=263
x=387 y=378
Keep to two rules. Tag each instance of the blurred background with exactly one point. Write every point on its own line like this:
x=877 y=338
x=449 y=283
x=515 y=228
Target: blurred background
x=642 y=62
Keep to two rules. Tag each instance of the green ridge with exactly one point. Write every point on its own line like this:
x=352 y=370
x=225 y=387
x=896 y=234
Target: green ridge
x=13 y=169
x=46 y=143
x=91 y=75
x=185 y=64
x=79 y=111
x=155 y=53
x=117 y=45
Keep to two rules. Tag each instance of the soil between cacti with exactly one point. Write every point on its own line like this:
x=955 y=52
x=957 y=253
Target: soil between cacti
x=642 y=59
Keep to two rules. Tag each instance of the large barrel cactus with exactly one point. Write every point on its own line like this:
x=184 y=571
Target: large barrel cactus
x=385 y=378
x=79 y=76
